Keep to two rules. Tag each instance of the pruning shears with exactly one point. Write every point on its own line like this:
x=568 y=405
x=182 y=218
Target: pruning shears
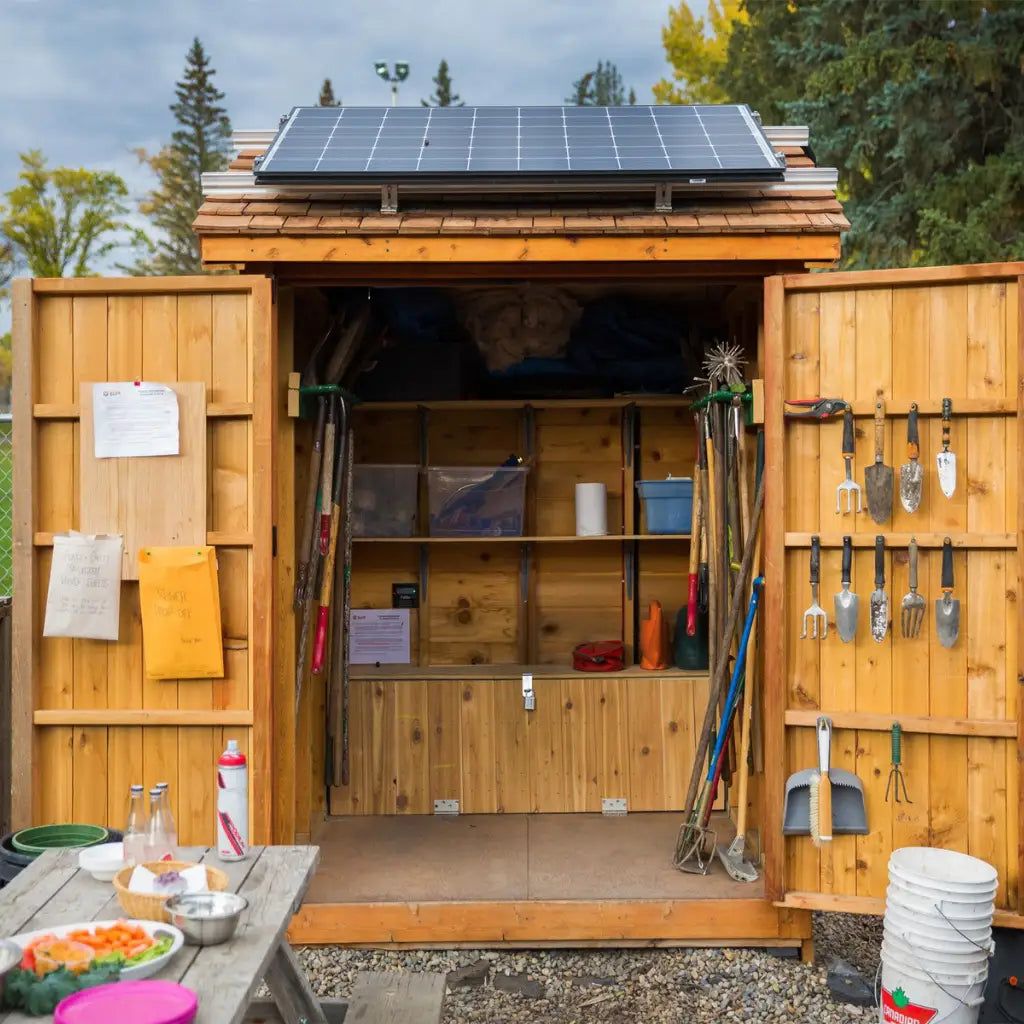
x=814 y=408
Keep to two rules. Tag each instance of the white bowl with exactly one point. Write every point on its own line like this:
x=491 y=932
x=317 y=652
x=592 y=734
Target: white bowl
x=102 y=862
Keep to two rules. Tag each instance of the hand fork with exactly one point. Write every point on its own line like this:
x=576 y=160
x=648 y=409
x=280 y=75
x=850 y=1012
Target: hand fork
x=913 y=604
x=815 y=619
x=849 y=485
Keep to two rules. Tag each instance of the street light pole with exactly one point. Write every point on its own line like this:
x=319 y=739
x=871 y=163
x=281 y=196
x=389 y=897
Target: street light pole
x=401 y=73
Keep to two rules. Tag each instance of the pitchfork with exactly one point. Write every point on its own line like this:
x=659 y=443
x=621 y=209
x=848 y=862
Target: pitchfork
x=815 y=619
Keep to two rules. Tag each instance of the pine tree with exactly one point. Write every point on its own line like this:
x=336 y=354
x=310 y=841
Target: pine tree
x=601 y=87
x=199 y=144
x=327 y=95
x=443 y=95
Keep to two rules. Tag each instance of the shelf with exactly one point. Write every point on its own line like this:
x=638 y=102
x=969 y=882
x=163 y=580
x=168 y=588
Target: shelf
x=69 y=410
x=470 y=672
x=570 y=539
x=977 y=541
x=477 y=405
x=929 y=725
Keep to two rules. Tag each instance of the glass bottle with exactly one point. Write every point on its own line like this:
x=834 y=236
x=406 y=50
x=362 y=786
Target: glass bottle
x=136 y=828
x=157 y=845
x=170 y=828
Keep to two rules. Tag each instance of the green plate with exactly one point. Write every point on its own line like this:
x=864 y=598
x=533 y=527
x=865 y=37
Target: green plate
x=57 y=837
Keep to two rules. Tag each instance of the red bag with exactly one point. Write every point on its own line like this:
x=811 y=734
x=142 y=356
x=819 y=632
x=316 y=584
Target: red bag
x=601 y=656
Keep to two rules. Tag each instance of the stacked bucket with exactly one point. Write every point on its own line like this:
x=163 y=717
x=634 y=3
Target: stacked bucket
x=937 y=936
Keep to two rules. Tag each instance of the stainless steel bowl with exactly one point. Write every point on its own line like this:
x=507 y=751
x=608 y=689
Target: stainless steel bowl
x=10 y=957
x=206 y=918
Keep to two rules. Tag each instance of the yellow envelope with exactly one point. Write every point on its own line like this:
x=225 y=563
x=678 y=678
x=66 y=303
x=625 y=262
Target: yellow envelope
x=181 y=633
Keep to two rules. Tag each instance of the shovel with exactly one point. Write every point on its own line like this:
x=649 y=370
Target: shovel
x=947 y=609
x=879 y=598
x=877 y=476
x=911 y=473
x=847 y=603
x=945 y=460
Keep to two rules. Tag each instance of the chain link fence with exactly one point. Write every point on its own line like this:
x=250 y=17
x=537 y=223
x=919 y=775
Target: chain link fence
x=6 y=502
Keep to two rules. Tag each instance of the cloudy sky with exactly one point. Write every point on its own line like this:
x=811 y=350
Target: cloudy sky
x=87 y=81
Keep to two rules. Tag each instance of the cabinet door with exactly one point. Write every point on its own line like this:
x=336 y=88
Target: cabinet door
x=86 y=721
x=904 y=336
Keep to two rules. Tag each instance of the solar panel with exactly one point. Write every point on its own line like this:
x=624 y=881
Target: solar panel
x=504 y=143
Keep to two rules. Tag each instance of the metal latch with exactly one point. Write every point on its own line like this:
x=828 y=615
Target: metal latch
x=389 y=199
x=614 y=806
x=446 y=807
x=529 y=697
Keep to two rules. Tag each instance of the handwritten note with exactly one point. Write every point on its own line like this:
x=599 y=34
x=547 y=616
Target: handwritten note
x=134 y=418
x=379 y=636
x=84 y=595
x=180 y=603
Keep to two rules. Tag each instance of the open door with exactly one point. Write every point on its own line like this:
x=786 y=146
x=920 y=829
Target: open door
x=903 y=336
x=87 y=721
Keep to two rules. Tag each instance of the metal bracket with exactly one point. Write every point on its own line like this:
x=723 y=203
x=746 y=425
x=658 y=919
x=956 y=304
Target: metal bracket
x=389 y=199
x=529 y=696
x=614 y=806
x=448 y=807
x=663 y=197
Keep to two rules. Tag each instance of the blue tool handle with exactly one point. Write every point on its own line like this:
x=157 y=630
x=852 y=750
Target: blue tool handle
x=737 y=675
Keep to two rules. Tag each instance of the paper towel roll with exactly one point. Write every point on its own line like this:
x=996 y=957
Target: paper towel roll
x=591 y=510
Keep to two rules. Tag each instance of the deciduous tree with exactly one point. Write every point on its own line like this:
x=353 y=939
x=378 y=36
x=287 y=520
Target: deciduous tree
x=61 y=221
x=696 y=48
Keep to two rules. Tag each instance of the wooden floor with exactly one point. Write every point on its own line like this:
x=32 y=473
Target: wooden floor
x=528 y=881
x=510 y=857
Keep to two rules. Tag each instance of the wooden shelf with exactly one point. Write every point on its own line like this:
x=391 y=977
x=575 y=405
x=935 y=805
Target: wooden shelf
x=928 y=724
x=442 y=672
x=570 y=539
x=477 y=405
x=69 y=410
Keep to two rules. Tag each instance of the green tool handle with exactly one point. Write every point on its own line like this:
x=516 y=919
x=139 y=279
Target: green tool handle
x=897 y=744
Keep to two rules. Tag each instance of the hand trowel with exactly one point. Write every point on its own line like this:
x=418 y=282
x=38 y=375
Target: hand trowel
x=878 y=476
x=847 y=603
x=947 y=608
x=945 y=460
x=911 y=473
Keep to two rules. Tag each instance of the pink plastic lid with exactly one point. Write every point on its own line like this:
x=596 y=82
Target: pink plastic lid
x=140 y=1002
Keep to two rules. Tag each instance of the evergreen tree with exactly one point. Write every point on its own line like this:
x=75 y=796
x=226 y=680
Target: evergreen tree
x=601 y=87
x=199 y=144
x=327 y=95
x=443 y=95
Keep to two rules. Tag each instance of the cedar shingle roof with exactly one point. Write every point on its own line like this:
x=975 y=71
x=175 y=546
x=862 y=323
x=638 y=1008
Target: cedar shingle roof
x=753 y=210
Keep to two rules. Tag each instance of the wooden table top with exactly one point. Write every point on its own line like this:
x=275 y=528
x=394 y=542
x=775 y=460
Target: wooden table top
x=274 y=879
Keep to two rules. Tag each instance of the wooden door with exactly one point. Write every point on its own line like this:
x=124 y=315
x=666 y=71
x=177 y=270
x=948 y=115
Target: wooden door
x=87 y=721
x=907 y=336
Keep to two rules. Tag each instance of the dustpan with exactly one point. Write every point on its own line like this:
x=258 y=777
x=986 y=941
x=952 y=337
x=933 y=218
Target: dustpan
x=849 y=817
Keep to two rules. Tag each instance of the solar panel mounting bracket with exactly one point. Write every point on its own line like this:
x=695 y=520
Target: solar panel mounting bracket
x=663 y=197
x=389 y=199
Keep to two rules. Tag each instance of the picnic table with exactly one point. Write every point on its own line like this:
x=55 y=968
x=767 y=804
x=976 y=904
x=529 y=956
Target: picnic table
x=52 y=891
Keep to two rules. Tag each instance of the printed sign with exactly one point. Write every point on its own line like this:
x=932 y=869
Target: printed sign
x=898 y=1009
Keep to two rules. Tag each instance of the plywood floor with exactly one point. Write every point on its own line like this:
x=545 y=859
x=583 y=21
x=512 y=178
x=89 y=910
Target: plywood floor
x=511 y=857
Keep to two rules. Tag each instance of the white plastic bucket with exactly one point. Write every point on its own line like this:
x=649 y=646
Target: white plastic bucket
x=945 y=868
x=939 y=891
x=938 y=938
x=966 y=960
x=937 y=927
x=940 y=907
x=909 y=992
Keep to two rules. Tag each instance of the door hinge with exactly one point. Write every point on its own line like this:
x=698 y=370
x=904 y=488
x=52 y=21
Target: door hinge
x=614 y=806
x=450 y=807
x=273 y=542
x=529 y=696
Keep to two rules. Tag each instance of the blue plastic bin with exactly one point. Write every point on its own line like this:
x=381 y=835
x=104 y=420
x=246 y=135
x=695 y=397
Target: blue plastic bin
x=668 y=504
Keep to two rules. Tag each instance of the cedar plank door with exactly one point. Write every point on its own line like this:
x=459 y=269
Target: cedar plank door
x=87 y=722
x=911 y=336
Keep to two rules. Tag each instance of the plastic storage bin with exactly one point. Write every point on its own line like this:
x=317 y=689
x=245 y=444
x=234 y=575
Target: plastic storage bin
x=384 y=500
x=476 y=501
x=668 y=504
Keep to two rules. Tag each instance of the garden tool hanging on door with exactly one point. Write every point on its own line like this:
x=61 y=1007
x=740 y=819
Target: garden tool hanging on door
x=945 y=460
x=897 y=782
x=879 y=598
x=911 y=473
x=878 y=476
x=815 y=619
x=912 y=606
x=847 y=603
x=947 y=610
x=849 y=486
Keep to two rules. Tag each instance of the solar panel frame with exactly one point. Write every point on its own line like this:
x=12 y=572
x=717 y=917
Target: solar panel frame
x=507 y=144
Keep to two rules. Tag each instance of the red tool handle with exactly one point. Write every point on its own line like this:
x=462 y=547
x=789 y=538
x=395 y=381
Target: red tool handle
x=320 y=641
x=325 y=533
x=691 y=607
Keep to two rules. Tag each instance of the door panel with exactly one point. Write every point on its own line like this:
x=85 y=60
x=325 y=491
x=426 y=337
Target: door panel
x=906 y=336
x=88 y=723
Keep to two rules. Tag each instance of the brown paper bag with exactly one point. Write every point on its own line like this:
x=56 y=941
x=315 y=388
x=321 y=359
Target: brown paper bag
x=181 y=632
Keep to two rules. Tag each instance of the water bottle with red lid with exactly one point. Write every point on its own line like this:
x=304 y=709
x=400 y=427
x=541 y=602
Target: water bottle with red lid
x=232 y=803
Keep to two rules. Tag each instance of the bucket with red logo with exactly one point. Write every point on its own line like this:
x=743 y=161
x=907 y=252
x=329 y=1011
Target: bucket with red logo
x=232 y=803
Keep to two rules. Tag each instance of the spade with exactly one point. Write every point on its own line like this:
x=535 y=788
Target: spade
x=878 y=478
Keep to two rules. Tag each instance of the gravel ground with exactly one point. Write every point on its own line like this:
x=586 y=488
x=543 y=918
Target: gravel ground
x=652 y=986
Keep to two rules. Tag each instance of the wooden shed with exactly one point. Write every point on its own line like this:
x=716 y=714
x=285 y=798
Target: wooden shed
x=530 y=859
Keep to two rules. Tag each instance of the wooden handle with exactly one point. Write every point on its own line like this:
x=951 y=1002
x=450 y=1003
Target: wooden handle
x=879 y=431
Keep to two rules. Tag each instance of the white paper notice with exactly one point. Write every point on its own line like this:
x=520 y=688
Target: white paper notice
x=84 y=596
x=134 y=418
x=378 y=636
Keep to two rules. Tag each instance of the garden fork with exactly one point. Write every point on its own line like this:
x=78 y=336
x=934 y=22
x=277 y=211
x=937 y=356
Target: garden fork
x=912 y=606
x=849 y=486
x=815 y=619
